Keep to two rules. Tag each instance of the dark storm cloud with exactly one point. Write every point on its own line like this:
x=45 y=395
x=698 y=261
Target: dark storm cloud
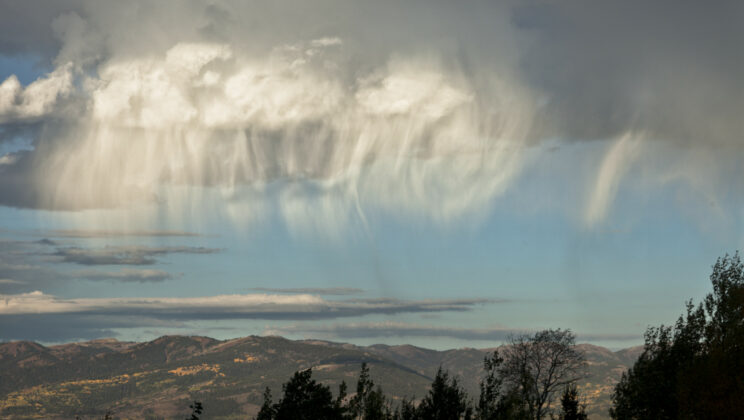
x=16 y=186
x=26 y=26
x=672 y=68
x=603 y=67
x=526 y=71
x=124 y=255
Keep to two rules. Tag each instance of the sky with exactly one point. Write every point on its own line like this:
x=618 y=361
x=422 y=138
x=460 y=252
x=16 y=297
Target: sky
x=423 y=172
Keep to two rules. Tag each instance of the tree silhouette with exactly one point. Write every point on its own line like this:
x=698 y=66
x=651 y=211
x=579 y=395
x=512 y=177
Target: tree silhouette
x=196 y=410
x=303 y=399
x=406 y=411
x=571 y=408
x=536 y=367
x=694 y=369
x=267 y=408
x=368 y=403
x=496 y=400
x=446 y=400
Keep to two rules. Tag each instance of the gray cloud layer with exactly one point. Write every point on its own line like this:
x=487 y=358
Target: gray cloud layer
x=396 y=329
x=126 y=276
x=670 y=68
x=124 y=255
x=28 y=265
x=86 y=318
x=352 y=331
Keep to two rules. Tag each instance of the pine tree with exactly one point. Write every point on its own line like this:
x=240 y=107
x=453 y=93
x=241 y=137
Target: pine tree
x=446 y=400
x=694 y=369
x=369 y=403
x=267 y=408
x=571 y=408
x=196 y=410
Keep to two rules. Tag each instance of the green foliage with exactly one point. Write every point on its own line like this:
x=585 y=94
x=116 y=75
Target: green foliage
x=406 y=411
x=532 y=368
x=496 y=400
x=571 y=408
x=696 y=368
x=267 y=408
x=369 y=403
x=303 y=399
x=446 y=400
x=490 y=388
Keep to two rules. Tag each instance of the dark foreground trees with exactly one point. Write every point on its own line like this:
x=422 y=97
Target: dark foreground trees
x=196 y=410
x=520 y=382
x=571 y=407
x=694 y=369
x=536 y=368
x=304 y=399
x=446 y=400
x=499 y=399
x=369 y=402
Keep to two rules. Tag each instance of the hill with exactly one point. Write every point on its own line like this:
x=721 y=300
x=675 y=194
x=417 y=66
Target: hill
x=158 y=379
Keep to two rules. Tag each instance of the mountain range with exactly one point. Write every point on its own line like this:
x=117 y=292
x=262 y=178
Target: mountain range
x=160 y=378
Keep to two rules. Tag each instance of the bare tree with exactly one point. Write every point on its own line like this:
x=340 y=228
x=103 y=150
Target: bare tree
x=538 y=367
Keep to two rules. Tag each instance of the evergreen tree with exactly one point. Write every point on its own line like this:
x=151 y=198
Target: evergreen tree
x=406 y=411
x=341 y=408
x=306 y=399
x=490 y=388
x=696 y=368
x=196 y=410
x=368 y=403
x=267 y=408
x=571 y=408
x=446 y=400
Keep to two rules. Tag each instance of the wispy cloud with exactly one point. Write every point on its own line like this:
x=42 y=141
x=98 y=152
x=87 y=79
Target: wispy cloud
x=22 y=267
x=11 y=281
x=36 y=310
x=330 y=291
x=93 y=233
x=246 y=306
x=28 y=265
x=124 y=255
x=126 y=275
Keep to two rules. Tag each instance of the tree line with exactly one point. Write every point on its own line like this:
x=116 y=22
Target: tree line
x=695 y=368
x=522 y=381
